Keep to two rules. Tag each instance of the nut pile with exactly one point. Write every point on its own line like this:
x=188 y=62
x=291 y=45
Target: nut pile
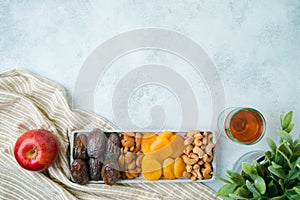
x=198 y=155
x=130 y=160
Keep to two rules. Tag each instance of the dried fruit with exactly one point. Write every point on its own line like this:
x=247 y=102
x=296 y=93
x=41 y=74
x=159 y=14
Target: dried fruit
x=110 y=170
x=179 y=167
x=80 y=147
x=96 y=144
x=95 y=169
x=110 y=174
x=79 y=171
x=113 y=147
x=166 y=134
x=159 y=143
x=147 y=140
x=168 y=169
x=177 y=145
x=160 y=149
x=151 y=169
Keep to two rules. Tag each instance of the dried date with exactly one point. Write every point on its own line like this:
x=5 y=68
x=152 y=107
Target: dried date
x=80 y=147
x=96 y=144
x=79 y=172
x=113 y=147
x=95 y=169
x=110 y=170
x=110 y=174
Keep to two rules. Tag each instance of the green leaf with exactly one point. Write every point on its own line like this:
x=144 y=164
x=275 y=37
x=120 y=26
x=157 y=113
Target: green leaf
x=252 y=188
x=282 y=197
x=284 y=147
x=260 y=169
x=287 y=120
x=268 y=155
x=235 y=177
x=293 y=174
x=281 y=183
x=277 y=172
x=296 y=149
x=234 y=196
x=242 y=191
x=222 y=179
x=249 y=170
x=272 y=188
x=228 y=198
x=279 y=159
x=285 y=157
x=275 y=165
x=297 y=141
x=285 y=136
x=297 y=189
x=289 y=192
x=281 y=119
x=271 y=144
x=294 y=197
x=227 y=189
x=289 y=128
x=260 y=184
x=296 y=163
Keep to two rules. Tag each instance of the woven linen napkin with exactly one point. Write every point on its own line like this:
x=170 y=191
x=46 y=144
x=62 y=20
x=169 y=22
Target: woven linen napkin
x=31 y=102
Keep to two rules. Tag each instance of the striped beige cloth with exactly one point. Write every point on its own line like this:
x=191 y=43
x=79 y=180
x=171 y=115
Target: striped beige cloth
x=30 y=102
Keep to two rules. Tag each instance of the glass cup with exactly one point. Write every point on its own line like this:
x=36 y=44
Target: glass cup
x=249 y=157
x=242 y=124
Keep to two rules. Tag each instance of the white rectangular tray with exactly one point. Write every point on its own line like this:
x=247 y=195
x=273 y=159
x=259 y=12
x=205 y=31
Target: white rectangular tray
x=141 y=179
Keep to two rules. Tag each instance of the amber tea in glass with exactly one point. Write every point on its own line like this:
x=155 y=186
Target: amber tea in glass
x=244 y=125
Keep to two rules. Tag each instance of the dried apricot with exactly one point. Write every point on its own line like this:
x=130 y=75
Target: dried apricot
x=166 y=134
x=152 y=176
x=147 y=140
x=151 y=169
x=179 y=167
x=177 y=145
x=168 y=168
x=159 y=143
x=160 y=149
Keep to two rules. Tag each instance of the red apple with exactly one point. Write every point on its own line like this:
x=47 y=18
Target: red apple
x=36 y=150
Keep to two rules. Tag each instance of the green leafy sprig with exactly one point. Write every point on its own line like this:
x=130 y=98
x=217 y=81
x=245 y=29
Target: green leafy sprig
x=276 y=178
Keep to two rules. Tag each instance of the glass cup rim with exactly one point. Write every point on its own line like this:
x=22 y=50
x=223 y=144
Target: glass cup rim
x=249 y=157
x=233 y=112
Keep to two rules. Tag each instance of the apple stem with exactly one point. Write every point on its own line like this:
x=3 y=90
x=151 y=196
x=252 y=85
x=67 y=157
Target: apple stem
x=32 y=152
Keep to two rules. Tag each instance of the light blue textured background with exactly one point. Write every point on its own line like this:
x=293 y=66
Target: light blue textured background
x=255 y=45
